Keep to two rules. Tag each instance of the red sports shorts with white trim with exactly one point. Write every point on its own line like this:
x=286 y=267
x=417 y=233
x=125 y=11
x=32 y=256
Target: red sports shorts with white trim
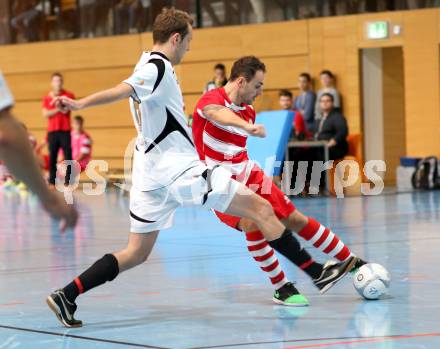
x=262 y=185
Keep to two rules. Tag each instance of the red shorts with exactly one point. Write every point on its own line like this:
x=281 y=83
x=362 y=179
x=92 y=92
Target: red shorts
x=259 y=183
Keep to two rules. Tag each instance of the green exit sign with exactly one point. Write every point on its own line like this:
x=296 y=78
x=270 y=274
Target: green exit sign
x=377 y=30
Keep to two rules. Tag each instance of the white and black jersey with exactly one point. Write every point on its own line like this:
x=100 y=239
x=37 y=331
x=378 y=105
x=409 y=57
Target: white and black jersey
x=167 y=171
x=165 y=147
x=6 y=99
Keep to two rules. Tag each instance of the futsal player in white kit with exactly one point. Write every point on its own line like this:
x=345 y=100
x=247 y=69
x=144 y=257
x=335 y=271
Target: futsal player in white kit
x=167 y=172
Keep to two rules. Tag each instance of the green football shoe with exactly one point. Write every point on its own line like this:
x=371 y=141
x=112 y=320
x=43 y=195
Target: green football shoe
x=289 y=296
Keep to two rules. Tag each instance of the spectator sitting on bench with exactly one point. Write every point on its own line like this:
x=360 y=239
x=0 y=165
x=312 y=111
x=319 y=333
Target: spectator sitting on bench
x=332 y=127
x=298 y=127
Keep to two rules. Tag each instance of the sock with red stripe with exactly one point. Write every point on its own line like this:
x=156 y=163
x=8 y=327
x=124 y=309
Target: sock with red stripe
x=289 y=246
x=325 y=240
x=266 y=258
x=103 y=270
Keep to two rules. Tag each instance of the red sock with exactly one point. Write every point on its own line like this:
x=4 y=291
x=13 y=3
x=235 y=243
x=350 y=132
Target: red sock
x=325 y=240
x=266 y=258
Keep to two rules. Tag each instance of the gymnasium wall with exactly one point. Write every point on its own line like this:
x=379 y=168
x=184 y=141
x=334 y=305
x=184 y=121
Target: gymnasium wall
x=287 y=48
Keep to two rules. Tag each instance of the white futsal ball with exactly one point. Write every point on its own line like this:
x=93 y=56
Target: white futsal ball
x=371 y=280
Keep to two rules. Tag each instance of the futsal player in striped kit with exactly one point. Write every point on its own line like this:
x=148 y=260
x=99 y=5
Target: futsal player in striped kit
x=219 y=126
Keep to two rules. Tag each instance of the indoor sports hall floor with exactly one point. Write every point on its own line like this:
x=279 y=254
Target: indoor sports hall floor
x=201 y=289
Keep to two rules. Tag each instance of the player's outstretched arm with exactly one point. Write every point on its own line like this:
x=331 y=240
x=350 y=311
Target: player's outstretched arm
x=19 y=158
x=111 y=95
x=225 y=116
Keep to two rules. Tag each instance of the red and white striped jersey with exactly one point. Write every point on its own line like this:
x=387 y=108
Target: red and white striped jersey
x=218 y=144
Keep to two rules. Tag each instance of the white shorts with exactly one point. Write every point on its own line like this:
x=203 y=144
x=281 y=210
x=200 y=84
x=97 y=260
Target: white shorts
x=209 y=188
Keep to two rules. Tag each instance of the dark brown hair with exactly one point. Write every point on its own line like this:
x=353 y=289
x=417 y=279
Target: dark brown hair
x=220 y=66
x=328 y=73
x=326 y=94
x=246 y=67
x=285 y=93
x=79 y=119
x=169 y=22
x=307 y=76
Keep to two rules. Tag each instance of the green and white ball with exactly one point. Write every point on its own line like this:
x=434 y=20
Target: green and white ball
x=371 y=281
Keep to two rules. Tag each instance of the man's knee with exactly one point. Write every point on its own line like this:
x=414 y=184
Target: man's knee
x=142 y=257
x=140 y=246
x=136 y=256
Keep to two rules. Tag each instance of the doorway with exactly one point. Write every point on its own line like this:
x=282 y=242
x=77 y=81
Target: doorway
x=383 y=113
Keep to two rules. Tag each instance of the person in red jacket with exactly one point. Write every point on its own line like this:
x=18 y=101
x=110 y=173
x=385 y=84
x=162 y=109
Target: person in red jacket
x=58 y=129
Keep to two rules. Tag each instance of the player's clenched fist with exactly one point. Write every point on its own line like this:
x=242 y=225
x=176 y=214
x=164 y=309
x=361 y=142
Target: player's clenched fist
x=256 y=130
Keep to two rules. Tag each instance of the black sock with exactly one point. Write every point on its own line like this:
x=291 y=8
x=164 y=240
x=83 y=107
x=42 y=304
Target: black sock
x=104 y=269
x=289 y=246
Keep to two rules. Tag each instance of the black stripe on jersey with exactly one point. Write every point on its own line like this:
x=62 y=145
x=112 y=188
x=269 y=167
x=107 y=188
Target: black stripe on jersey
x=139 y=218
x=159 y=54
x=171 y=125
x=160 y=71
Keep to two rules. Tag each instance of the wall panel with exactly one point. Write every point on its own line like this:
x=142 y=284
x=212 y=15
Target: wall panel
x=287 y=48
x=421 y=57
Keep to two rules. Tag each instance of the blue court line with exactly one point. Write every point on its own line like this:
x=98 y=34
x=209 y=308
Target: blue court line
x=138 y=345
